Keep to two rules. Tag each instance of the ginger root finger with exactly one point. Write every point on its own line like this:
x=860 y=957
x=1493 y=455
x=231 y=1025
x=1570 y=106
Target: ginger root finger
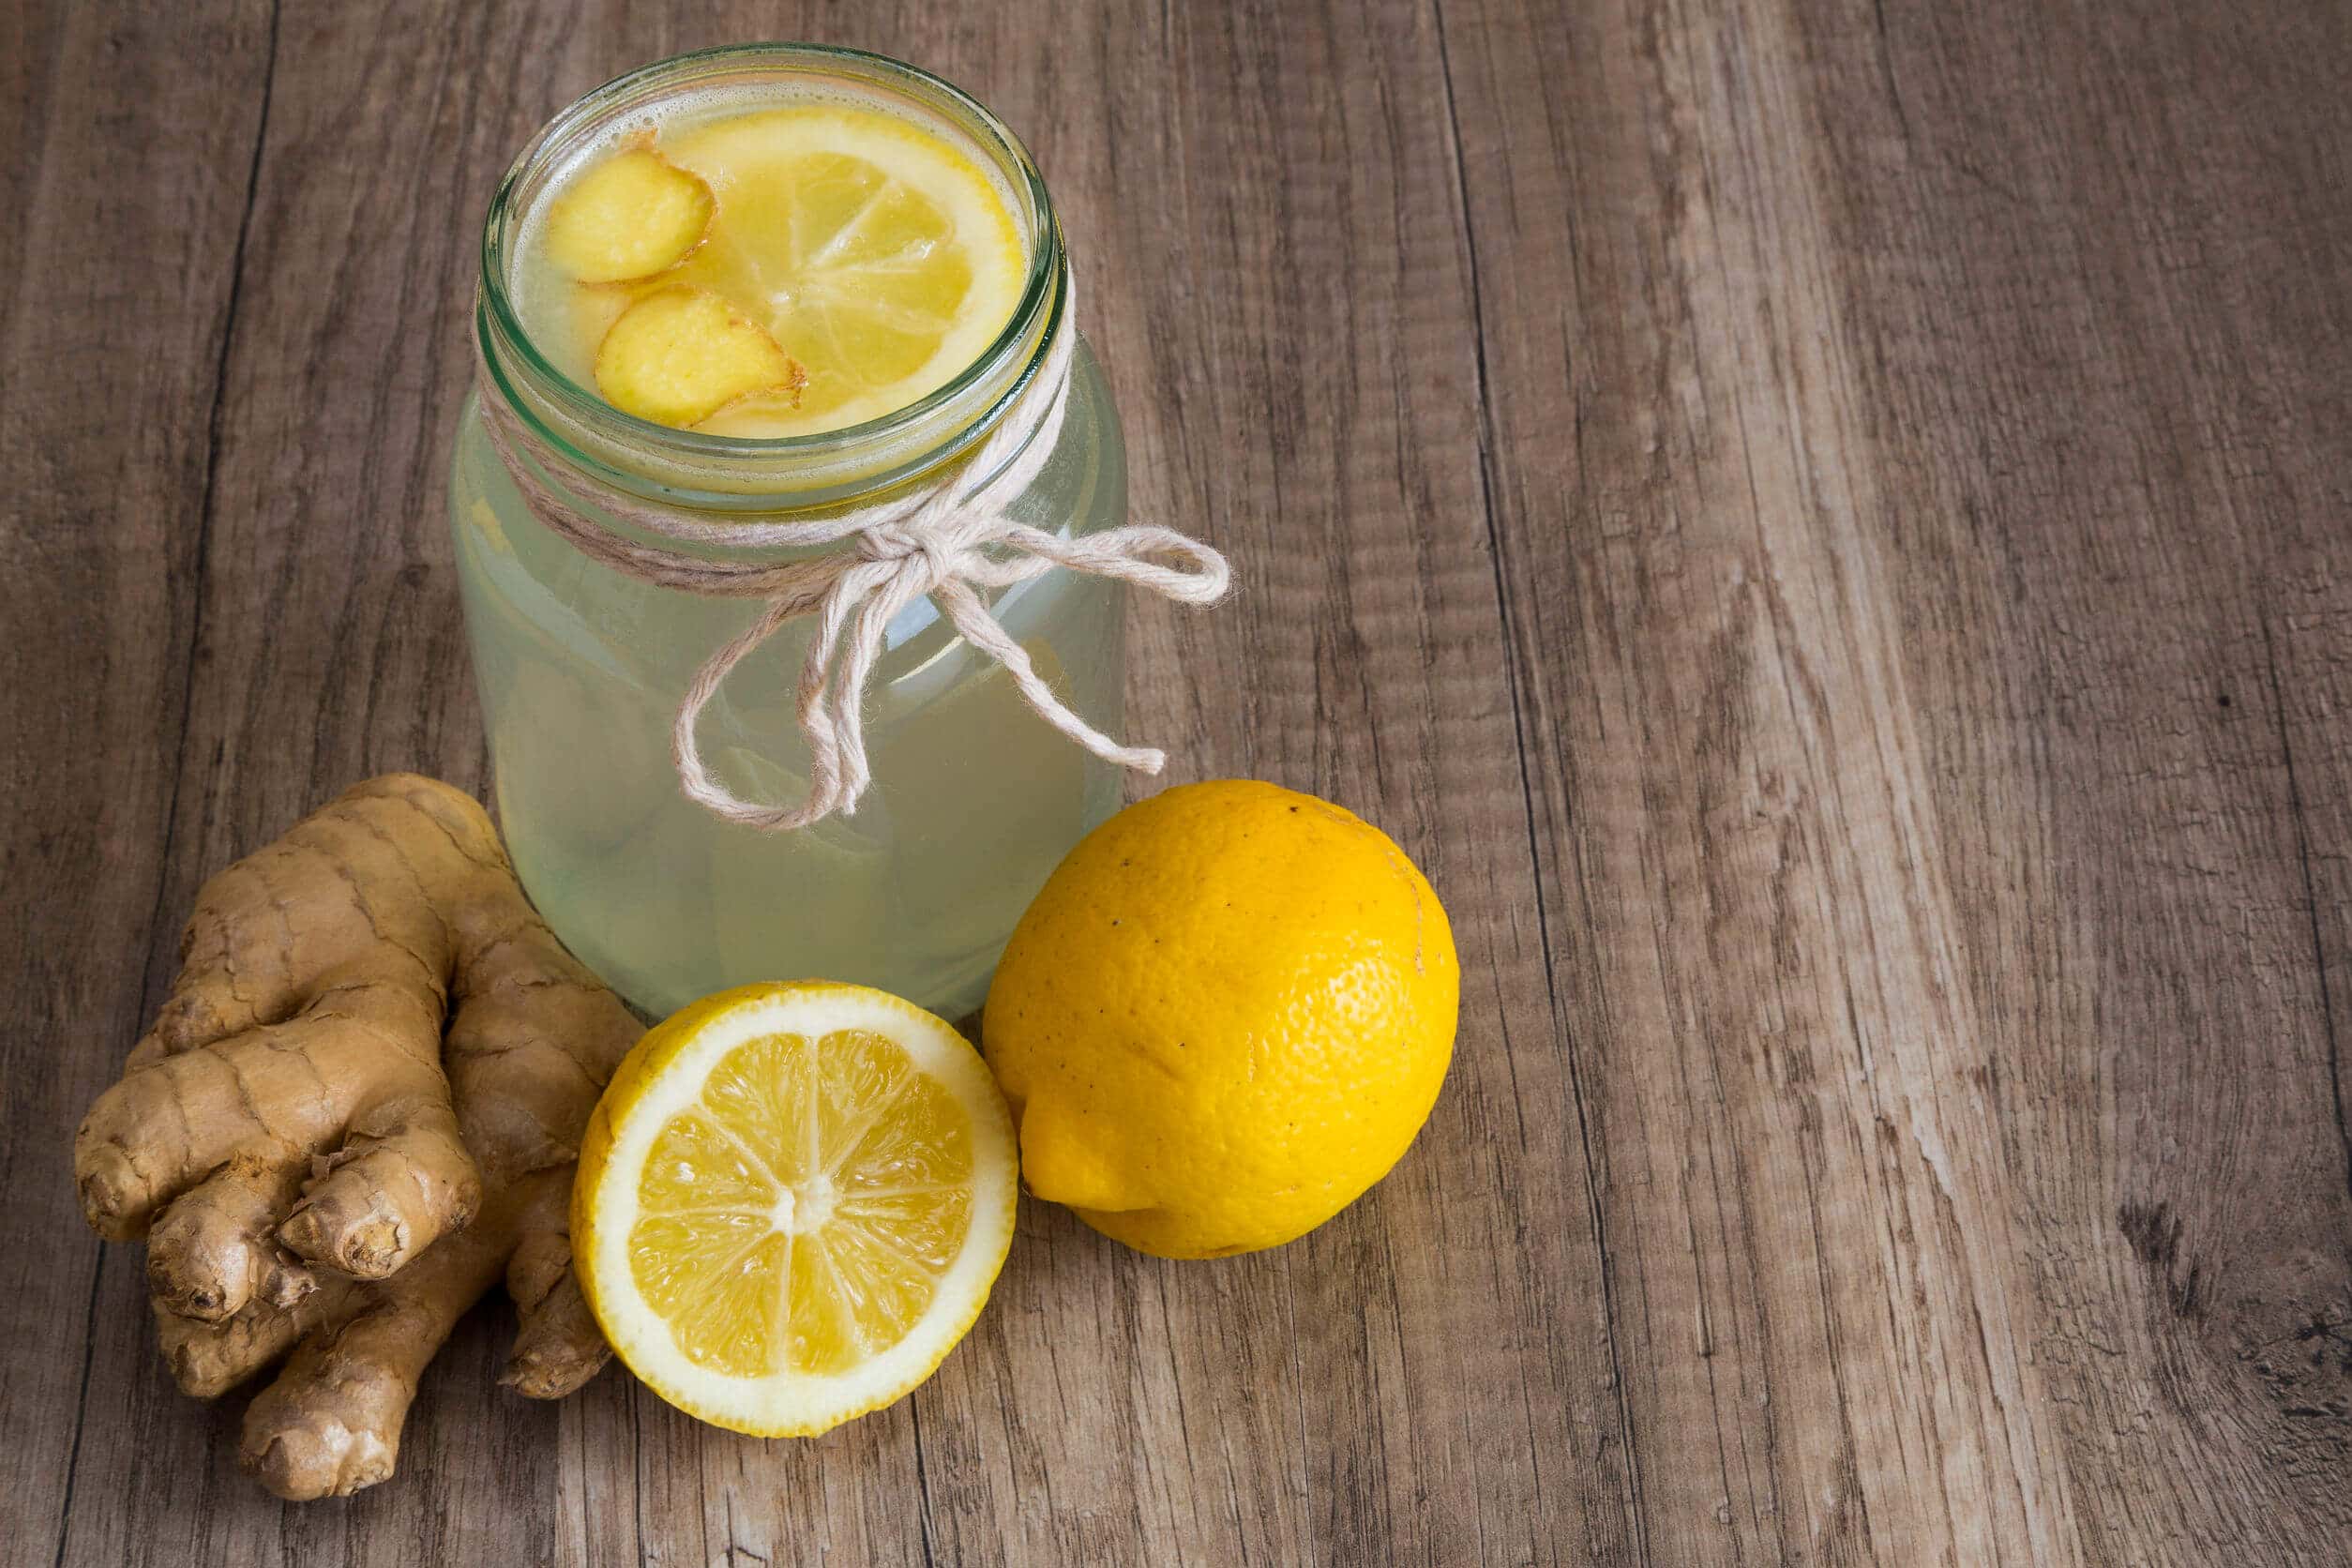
x=558 y=1346
x=211 y=1253
x=529 y=1052
x=314 y=986
x=361 y=1105
x=282 y=1093
x=315 y=983
x=331 y=1422
x=402 y=1179
x=207 y=1360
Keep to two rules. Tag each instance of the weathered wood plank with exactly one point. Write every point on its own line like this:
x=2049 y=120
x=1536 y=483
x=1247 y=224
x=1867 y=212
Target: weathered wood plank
x=2111 y=369
x=2136 y=437
x=130 y=133
x=1887 y=520
x=1803 y=1197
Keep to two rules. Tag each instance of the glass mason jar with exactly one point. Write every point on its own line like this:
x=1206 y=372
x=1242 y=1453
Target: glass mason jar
x=581 y=670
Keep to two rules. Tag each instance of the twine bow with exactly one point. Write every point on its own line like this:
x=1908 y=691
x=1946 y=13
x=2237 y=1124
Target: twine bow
x=937 y=541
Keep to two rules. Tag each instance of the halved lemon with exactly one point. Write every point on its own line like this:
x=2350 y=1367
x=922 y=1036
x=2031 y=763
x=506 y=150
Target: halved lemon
x=791 y=1202
x=875 y=253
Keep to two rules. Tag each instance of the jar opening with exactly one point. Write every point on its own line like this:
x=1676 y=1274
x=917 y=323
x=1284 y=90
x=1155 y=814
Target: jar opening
x=733 y=473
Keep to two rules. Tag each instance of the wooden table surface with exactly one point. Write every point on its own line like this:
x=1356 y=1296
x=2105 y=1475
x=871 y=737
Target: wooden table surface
x=1823 y=524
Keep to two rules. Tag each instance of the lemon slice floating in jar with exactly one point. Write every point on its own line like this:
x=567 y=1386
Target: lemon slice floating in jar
x=791 y=1202
x=876 y=256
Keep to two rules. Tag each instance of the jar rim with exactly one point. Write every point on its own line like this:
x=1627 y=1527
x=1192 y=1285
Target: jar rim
x=727 y=473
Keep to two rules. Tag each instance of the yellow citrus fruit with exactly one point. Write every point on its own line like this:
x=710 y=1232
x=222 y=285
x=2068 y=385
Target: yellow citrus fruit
x=877 y=255
x=791 y=1202
x=1225 y=1017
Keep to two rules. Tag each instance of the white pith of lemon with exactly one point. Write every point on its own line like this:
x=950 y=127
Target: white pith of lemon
x=792 y=1203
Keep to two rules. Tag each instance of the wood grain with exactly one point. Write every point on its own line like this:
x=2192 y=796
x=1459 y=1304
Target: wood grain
x=1822 y=527
x=1923 y=802
x=110 y=446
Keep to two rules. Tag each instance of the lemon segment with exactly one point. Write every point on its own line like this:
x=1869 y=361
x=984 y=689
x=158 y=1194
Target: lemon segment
x=792 y=1203
x=631 y=215
x=876 y=254
x=680 y=354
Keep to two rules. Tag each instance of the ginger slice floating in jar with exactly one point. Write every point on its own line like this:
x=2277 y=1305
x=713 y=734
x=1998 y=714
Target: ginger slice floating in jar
x=632 y=215
x=680 y=354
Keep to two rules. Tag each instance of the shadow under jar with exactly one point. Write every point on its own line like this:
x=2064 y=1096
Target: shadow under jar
x=581 y=668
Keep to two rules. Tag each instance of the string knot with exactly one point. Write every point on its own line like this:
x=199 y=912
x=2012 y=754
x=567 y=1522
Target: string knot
x=894 y=542
x=945 y=543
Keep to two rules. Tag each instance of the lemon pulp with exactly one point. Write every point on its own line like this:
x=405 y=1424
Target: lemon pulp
x=877 y=255
x=791 y=1202
x=801 y=1215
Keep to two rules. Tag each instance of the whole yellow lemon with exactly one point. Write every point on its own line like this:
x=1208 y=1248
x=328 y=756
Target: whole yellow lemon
x=1225 y=1017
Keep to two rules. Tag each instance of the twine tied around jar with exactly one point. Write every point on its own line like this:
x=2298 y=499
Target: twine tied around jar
x=937 y=540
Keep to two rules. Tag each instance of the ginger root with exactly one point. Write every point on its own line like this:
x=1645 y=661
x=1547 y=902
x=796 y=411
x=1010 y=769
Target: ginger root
x=682 y=354
x=630 y=217
x=360 y=1105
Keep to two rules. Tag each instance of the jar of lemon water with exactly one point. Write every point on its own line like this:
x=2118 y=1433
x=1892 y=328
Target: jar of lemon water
x=789 y=514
